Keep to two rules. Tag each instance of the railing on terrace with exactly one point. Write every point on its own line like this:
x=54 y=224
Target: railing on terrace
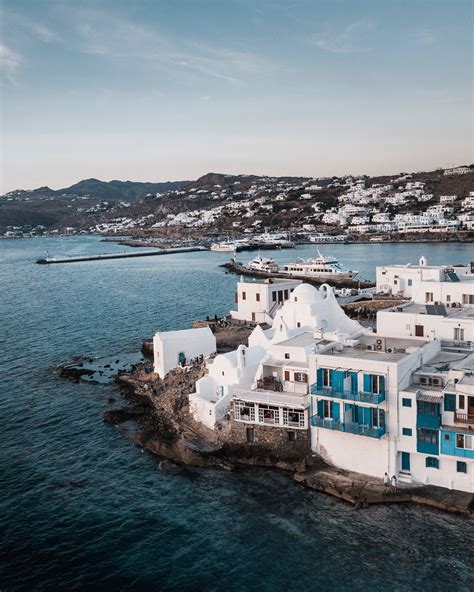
x=464 y=417
x=465 y=345
x=270 y=384
x=351 y=428
x=361 y=396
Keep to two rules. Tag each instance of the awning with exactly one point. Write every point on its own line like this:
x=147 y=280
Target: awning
x=427 y=398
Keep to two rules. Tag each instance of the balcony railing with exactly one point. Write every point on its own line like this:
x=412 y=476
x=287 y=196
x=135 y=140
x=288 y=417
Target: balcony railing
x=270 y=384
x=457 y=344
x=427 y=447
x=351 y=428
x=360 y=396
x=464 y=418
x=430 y=422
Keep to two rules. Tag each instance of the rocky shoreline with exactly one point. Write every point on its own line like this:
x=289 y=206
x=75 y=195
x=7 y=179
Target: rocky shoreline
x=156 y=417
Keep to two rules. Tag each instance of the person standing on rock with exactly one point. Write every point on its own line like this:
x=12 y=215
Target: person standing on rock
x=386 y=482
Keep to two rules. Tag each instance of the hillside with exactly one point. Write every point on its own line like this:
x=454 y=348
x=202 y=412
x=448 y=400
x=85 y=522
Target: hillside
x=218 y=204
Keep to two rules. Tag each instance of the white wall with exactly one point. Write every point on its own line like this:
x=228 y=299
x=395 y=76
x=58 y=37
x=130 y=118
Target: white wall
x=191 y=342
x=402 y=324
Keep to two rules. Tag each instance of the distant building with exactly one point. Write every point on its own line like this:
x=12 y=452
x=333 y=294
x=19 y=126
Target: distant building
x=460 y=170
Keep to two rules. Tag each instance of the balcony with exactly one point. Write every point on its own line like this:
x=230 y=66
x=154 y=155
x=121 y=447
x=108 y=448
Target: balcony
x=430 y=422
x=464 y=418
x=427 y=447
x=350 y=428
x=360 y=396
x=270 y=384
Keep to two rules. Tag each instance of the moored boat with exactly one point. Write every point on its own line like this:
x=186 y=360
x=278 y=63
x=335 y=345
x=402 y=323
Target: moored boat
x=320 y=267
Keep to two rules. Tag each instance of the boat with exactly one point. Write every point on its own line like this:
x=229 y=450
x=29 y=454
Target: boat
x=263 y=264
x=225 y=247
x=320 y=268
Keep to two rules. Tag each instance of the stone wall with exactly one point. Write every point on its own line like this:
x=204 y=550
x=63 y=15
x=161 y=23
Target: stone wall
x=284 y=442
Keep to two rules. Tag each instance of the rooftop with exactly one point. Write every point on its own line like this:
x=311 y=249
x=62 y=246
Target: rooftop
x=454 y=313
x=393 y=349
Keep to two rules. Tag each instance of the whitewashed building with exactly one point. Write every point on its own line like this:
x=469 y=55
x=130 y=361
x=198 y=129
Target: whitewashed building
x=178 y=348
x=258 y=300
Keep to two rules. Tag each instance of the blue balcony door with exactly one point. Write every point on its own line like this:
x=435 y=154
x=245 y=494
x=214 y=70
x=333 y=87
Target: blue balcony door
x=406 y=461
x=335 y=411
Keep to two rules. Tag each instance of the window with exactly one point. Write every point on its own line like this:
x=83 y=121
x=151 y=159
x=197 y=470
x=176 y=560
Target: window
x=327 y=377
x=268 y=414
x=377 y=417
x=464 y=441
x=461 y=401
x=406 y=402
x=287 y=356
x=378 y=384
x=257 y=297
x=293 y=417
x=458 y=334
x=410 y=282
x=250 y=433
x=448 y=297
x=449 y=402
x=244 y=411
x=301 y=377
x=286 y=294
x=425 y=408
x=419 y=331
x=407 y=431
x=298 y=324
x=432 y=462
x=244 y=296
x=429 y=297
x=291 y=436
x=428 y=436
x=287 y=375
x=327 y=409
x=468 y=298
x=274 y=296
x=461 y=466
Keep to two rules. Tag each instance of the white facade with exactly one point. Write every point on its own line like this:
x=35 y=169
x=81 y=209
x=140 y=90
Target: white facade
x=428 y=284
x=177 y=348
x=268 y=382
x=259 y=300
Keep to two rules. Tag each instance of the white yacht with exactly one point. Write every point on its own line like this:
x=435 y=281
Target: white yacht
x=263 y=264
x=321 y=267
x=224 y=247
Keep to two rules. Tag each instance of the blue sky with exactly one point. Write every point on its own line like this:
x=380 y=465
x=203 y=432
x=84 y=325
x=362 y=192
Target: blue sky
x=171 y=89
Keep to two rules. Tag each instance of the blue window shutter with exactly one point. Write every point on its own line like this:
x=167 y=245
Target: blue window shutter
x=335 y=411
x=319 y=377
x=320 y=408
x=367 y=416
x=354 y=382
x=338 y=380
x=449 y=402
x=382 y=383
x=367 y=383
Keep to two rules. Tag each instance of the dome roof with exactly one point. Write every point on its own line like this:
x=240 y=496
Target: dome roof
x=305 y=293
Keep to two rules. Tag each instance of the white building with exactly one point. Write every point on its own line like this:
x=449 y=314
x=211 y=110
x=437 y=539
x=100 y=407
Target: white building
x=268 y=382
x=177 y=348
x=258 y=300
x=428 y=284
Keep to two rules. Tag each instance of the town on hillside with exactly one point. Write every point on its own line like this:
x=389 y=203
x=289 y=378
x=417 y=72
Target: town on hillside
x=217 y=207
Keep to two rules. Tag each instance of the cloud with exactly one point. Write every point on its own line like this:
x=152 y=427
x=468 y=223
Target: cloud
x=10 y=61
x=127 y=43
x=424 y=37
x=346 y=41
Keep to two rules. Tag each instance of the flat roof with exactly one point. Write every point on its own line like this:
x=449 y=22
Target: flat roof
x=302 y=340
x=361 y=351
x=451 y=313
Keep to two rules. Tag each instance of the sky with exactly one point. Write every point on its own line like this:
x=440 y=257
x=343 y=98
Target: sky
x=156 y=90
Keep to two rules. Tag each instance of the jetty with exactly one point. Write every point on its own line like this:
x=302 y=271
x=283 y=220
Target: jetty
x=125 y=255
x=240 y=269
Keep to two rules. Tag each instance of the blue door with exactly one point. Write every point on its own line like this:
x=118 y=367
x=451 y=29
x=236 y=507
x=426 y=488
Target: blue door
x=406 y=461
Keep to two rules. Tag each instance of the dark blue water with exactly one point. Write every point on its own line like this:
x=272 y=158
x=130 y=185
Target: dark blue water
x=82 y=508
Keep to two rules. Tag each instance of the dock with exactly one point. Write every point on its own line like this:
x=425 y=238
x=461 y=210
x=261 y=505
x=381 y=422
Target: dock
x=238 y=268
x=124 y=255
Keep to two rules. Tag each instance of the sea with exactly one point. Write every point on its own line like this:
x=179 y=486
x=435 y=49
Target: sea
x=83 y=508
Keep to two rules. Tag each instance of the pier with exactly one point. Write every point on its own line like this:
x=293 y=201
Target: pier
x=124 y=255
